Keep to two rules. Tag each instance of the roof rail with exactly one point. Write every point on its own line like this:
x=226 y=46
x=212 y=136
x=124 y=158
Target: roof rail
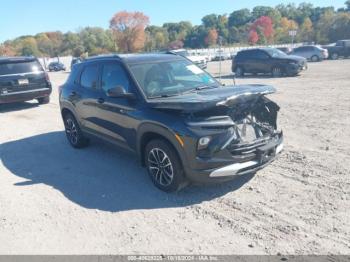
x=97 y=57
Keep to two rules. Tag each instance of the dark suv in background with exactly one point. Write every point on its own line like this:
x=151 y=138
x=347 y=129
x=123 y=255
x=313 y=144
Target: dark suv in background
x=178 y=119
x=56 y=66
x=267 y=61
x=23 y=79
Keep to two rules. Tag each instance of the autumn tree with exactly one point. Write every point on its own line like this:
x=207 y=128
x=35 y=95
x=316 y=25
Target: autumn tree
x=282 y=29
x=253 y=37
x=340 y=27
x=7 y=50
x=263 y=27
x=129 y=30
x=306 y=31
x=212 y=37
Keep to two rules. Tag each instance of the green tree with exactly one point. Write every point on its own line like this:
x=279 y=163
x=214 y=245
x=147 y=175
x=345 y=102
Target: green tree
x=340 y=28
x=29 y=47
x=239 y=18
x=306 y=31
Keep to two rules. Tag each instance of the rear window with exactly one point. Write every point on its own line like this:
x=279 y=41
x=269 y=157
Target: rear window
x=20 y=67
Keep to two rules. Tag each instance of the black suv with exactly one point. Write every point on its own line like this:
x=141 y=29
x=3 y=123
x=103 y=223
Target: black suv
x=179 y=120
x=267 y=61
x=23 y=79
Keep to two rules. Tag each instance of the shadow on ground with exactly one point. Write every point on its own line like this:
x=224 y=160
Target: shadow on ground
x=4 y=108
x=99 y=177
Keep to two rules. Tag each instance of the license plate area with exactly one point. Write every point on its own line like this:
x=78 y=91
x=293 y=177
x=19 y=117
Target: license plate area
x=23 y=82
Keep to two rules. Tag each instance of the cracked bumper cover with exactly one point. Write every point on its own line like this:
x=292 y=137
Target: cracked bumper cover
x=265 y=155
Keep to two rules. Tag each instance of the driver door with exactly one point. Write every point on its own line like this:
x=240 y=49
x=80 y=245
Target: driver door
x=115 y=114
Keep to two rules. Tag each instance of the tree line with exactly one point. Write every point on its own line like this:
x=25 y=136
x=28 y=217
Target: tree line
x=131 y=32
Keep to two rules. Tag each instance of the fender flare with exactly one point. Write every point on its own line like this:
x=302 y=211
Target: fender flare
x=163 y=132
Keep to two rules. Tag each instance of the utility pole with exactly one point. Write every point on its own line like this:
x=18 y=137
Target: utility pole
x=220 y=56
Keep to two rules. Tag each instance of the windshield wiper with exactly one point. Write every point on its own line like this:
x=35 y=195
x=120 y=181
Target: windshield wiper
x=162 y=96
x=205 y=87
x=199 y=88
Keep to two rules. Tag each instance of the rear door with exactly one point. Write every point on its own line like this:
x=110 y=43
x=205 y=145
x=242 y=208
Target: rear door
x=86 y=95
x=262 y=62
x=19 y=75
x=249 y=61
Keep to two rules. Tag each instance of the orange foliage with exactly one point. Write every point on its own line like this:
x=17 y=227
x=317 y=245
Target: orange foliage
x=212 y=37
x=6 y=50
x=129 y=30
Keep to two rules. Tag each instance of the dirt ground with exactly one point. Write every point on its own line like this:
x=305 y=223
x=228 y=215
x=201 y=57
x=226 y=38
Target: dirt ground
x=57 y=200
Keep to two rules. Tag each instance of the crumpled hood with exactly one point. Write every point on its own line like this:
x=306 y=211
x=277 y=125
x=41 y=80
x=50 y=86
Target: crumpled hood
x=209 y=98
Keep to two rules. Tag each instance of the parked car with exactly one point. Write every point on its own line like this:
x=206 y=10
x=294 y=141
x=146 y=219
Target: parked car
x=311 y=52
x=221 y=56
x=286 y=50
x=23 y=79
x=56 y=66
x=75 y=60
x=341 y=48
x=267 y=61
x=183 y=125
x=199 y=60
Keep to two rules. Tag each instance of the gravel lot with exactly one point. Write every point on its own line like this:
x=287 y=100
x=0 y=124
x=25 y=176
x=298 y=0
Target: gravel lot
x=57 y=200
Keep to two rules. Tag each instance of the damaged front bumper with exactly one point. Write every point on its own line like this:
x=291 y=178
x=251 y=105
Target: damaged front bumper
x=265 y=156
x=229 y=166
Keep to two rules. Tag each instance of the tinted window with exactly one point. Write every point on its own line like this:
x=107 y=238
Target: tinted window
x=245 y=54
x=300 y=49
x=260 y=55
x=114 y=75
x=20 y=68
x=89 y=77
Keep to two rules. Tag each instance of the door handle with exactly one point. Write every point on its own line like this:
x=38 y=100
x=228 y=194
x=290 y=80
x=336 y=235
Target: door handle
x=100 y=100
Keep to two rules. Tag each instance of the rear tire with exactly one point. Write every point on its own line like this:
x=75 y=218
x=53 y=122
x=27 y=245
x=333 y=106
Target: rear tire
x=44 y=100
x=73 y=132
x=164 y=166
x=239 y=72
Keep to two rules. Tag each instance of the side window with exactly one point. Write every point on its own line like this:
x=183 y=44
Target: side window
x=89 y=77
x=310 y=48
x=114 y=75
x=245 y=54
x=261 y=55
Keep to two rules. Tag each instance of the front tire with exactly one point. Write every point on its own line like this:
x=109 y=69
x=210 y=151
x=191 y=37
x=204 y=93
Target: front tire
x=164 y=166
x=334 y=56
x=73 y=132
x=315 y=58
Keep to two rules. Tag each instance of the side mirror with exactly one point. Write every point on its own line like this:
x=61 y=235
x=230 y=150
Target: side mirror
x=119 y=92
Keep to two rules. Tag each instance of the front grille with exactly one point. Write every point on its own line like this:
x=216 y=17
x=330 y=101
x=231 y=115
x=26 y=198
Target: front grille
x=247 y=148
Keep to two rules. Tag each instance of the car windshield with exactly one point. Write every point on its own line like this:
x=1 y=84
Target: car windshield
x=171 y=78
x=275 y=52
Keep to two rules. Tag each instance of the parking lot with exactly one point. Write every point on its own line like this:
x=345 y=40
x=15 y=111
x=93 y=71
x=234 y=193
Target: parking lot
x=55 y=199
